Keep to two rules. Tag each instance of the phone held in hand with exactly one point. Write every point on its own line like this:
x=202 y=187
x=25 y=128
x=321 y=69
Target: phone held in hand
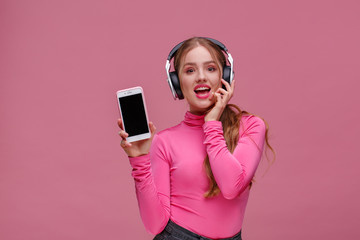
x=133 y=113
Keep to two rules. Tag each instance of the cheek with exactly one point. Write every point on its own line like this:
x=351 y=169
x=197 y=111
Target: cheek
x=184 y=83
x=215 y=79
x=217 y=83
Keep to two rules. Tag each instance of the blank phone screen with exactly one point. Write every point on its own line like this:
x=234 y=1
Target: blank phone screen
x=133 y=113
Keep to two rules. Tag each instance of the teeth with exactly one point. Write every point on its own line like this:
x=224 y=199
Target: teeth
x=202 y=88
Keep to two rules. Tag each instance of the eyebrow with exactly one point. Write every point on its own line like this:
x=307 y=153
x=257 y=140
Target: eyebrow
x=207 y=62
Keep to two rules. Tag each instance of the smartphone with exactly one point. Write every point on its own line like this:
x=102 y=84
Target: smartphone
x=133 y=113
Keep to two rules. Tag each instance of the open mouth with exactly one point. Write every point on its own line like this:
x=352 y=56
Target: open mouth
x=202 y=91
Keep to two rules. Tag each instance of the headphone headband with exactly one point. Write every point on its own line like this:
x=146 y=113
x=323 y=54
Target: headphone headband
x=173 y=79
x=174 y=50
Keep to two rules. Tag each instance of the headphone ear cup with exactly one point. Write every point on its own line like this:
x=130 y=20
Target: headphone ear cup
x=176 y=84
x=227 y=73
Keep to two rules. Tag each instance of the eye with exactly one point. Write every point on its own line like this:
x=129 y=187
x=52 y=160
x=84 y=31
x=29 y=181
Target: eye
x=189 y=70
x=211 y=69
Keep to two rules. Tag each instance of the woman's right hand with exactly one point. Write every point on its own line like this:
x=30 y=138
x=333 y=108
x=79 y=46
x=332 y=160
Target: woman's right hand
x=138 y=148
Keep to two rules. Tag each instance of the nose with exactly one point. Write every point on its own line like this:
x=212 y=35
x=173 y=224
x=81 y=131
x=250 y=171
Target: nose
x=201 y=76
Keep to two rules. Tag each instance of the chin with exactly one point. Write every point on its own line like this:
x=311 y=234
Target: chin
x=199 y=105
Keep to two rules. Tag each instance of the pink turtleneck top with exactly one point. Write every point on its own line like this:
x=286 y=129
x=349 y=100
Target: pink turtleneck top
x=171 y=181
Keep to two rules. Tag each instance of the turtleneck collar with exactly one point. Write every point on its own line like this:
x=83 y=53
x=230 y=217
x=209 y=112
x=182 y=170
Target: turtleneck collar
x=194 y=120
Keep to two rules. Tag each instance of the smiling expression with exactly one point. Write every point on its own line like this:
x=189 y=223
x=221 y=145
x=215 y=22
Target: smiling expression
x=199 y=76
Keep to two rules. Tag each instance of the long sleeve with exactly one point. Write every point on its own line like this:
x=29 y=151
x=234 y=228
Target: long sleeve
x=152 y=185
x=171 y=181
x=234 y=171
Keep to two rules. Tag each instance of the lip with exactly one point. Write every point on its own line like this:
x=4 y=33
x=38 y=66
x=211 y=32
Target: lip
x=202 y=96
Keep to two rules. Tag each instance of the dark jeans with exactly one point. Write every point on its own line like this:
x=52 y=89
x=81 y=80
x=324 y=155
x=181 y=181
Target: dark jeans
x=173 y=231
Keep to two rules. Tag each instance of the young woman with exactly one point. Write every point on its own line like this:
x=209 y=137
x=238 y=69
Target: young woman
x=193 y=180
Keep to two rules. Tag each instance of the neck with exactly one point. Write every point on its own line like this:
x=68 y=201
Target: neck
x=198 y=113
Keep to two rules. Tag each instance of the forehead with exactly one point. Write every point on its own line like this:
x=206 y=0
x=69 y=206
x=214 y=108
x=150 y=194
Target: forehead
x=197 y=55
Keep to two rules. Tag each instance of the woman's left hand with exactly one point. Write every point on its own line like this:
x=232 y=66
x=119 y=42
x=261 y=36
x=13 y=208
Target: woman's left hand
x=222 y=98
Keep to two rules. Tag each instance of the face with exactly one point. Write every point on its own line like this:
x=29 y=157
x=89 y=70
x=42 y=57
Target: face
x=199 y=76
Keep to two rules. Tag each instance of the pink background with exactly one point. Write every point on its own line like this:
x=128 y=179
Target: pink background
x=63 y=174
